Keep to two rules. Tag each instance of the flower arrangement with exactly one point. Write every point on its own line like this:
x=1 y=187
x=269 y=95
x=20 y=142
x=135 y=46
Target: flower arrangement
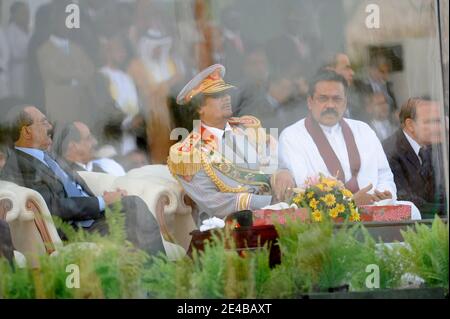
x=326 y=197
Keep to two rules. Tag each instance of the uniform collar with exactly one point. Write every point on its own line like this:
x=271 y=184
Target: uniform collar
x=218 y=133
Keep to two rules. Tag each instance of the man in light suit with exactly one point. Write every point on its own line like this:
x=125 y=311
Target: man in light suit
x=67 y=196
x=223 y=164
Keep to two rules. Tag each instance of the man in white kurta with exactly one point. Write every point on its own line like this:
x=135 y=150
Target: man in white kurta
x=314 y=145
x=300 y=155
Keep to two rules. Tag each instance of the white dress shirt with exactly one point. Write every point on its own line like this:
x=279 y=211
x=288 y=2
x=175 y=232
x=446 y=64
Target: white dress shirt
x=300 y=155
x=415 y=146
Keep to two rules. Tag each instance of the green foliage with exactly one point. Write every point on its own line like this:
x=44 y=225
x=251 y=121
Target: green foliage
x=109 y=266
x=217 y=272
x=315 y=258
x=426 y=252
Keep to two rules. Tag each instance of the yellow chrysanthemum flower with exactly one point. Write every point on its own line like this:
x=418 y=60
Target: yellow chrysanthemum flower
x=298 y=199
x=329 y=182
x=329 y=200
x=355 y=217
x=310 y=195
x=321 y=187
x=313 y=203
x=340 y=208
x=334 y=212
x=347 y=193
x=317 y=216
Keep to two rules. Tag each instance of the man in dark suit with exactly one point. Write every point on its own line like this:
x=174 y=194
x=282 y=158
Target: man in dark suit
x=415 y=155
x=30 y=165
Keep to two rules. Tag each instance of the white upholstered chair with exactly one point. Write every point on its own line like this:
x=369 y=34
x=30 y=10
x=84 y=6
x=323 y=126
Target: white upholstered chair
x=164 y=196
x=32 y=230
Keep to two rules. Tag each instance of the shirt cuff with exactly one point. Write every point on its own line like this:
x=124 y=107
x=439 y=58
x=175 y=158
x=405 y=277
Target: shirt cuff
x=259 y=201
x=101 y=203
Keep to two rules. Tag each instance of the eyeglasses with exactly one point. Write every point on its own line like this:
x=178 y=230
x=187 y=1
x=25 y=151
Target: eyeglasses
x=322 y=99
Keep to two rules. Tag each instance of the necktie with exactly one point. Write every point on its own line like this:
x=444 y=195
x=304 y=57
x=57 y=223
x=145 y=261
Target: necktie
x=70 y=186
x=426 y=169
x=425 y=157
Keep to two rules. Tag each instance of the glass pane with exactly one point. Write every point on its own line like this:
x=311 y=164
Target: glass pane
x=349 y=89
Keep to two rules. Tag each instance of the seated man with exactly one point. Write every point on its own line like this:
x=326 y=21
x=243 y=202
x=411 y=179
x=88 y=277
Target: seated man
x=220 y=163
x=326 y=143
x=415 y=155
x=30 y=165
x=76 y=145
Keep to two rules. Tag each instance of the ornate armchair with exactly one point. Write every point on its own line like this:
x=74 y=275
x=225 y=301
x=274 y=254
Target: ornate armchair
x=32 y=230
x=164 y=196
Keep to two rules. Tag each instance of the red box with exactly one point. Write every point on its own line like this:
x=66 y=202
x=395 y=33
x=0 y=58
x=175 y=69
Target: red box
x=390 y=213
x=267 y=216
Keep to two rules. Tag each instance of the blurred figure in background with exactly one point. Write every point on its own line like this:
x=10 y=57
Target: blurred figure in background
x=4 y=64
x=18 y=37
x=340 y=63
x=253 y=86
x=277 y=107
x=67 y=73
x=117 y=98
x=378 y=116
x=34 y=85
x=154 y=71
x=378 y=80
x=234 y=48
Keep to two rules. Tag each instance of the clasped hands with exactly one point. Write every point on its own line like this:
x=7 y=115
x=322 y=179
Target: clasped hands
x=115 y=196
x=362 y=197
x=282 y=184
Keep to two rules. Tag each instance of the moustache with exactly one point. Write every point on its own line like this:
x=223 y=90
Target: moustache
x=330 y=111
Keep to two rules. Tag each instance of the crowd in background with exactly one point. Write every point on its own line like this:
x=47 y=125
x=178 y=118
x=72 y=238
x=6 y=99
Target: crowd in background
x=120 y=71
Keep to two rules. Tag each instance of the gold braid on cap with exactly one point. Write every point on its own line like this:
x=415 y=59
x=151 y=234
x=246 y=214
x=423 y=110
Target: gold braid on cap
x=224 y=188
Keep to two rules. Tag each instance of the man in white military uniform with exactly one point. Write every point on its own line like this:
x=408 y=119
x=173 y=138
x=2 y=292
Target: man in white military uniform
x=224 y=164
x=326 y=143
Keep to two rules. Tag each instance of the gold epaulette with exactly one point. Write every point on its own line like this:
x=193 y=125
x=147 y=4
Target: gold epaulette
x=247 y=121
x=184 y=157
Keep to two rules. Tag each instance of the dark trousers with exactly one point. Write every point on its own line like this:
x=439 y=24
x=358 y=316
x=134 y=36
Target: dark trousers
x=6 y=246
x=142 y=228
